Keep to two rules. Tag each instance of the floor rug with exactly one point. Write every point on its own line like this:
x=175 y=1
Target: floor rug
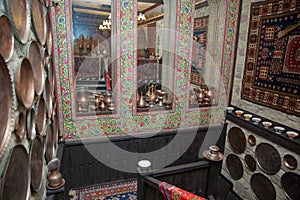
x=125 y=190
x=272 y=65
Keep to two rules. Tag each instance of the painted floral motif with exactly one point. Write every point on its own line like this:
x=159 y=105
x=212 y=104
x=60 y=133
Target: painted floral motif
x=126 y=121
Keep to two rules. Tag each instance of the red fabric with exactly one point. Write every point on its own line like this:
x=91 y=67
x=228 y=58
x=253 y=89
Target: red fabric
x=108 y=83
x=171 y=192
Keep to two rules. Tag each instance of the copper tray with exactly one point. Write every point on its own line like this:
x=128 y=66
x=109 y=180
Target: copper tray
x=48 y=98
x=262 y=187
x=234 y=166
x=50 y=148
x=55 y=130
x=16 y=177
x=19 y=14
x=49 y=35
x=30 y=123
x=35 y=58
x=268 y=158
x=38 y=20
x=37 y=163
x=237 y=140
x=41 y=116
x=291 y=182
x=6 y=38
x=49 y=67
x=24 y=79
x=250 y=162
x=6 y=106
x=21 y=125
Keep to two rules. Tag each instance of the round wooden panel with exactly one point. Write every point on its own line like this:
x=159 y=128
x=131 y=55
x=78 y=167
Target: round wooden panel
x=38 y=20
x=237 y=140
x=290 y=161
x=41 y=116
x=19 y=14
x=16 y=178
x=6 y=106
x=37 y=163
x=291 y=183
x=37 y=65
x=262 y=187
x=250 y=162
x=268 y=158
x=25 y=83
x=234 y=166
x=6 y=38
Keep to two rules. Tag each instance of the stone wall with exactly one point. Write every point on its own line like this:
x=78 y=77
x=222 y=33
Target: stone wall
x=266 y=112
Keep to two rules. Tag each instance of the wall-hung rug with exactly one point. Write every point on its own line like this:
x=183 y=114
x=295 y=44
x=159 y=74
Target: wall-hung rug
x=125 y=190
x=272 y=65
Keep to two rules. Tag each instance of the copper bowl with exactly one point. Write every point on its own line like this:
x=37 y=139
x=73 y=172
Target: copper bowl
x=24 y=79
x=41 y=116
x=6 y=38
x=19 y=14
x=35 y=57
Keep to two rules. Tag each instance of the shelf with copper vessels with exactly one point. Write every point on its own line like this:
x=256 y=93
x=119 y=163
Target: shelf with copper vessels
x=270 y=133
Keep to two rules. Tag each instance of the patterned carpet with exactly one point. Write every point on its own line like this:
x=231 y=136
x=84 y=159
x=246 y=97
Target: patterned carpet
x=125 y=190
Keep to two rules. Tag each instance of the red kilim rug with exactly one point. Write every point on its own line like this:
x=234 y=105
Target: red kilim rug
x=125 y=190
x=272 y=65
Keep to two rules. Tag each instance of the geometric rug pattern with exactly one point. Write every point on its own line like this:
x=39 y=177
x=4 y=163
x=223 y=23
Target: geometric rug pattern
x=124 y=190
x=272 y=64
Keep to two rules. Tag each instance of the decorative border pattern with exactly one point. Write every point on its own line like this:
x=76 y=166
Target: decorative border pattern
x=125 y=123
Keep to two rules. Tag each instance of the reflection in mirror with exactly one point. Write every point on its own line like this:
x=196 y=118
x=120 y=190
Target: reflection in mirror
x=154 y=75
x=201 y=94
x=92 y=51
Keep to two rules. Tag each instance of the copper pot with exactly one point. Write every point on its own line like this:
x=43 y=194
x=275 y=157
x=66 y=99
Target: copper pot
x=83 y=99
x=54 y=177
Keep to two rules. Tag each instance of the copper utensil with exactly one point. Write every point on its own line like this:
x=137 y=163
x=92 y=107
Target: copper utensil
x=38 y=20
x=41 y=116
x=6 y=38
x=250 y=162
x=24 y=79
x=30 y=123
x=16 y=177
x=48 y=98
x=21 y=125
x=262 y=187
x=268 y=158
x=237 y=140
x=34 y=55
x=50 y=147
x=54 y=177
x=290 y=161
x=234 y=166
x=290 y=182
x=19 y=14
x=37 y=163
x=6 y=106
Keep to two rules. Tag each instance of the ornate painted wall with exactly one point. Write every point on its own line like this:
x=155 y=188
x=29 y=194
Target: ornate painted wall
x=220 y=62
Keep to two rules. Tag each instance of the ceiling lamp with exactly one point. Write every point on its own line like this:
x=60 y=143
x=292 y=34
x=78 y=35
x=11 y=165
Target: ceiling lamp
x=106 y=24
x=141 y=17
